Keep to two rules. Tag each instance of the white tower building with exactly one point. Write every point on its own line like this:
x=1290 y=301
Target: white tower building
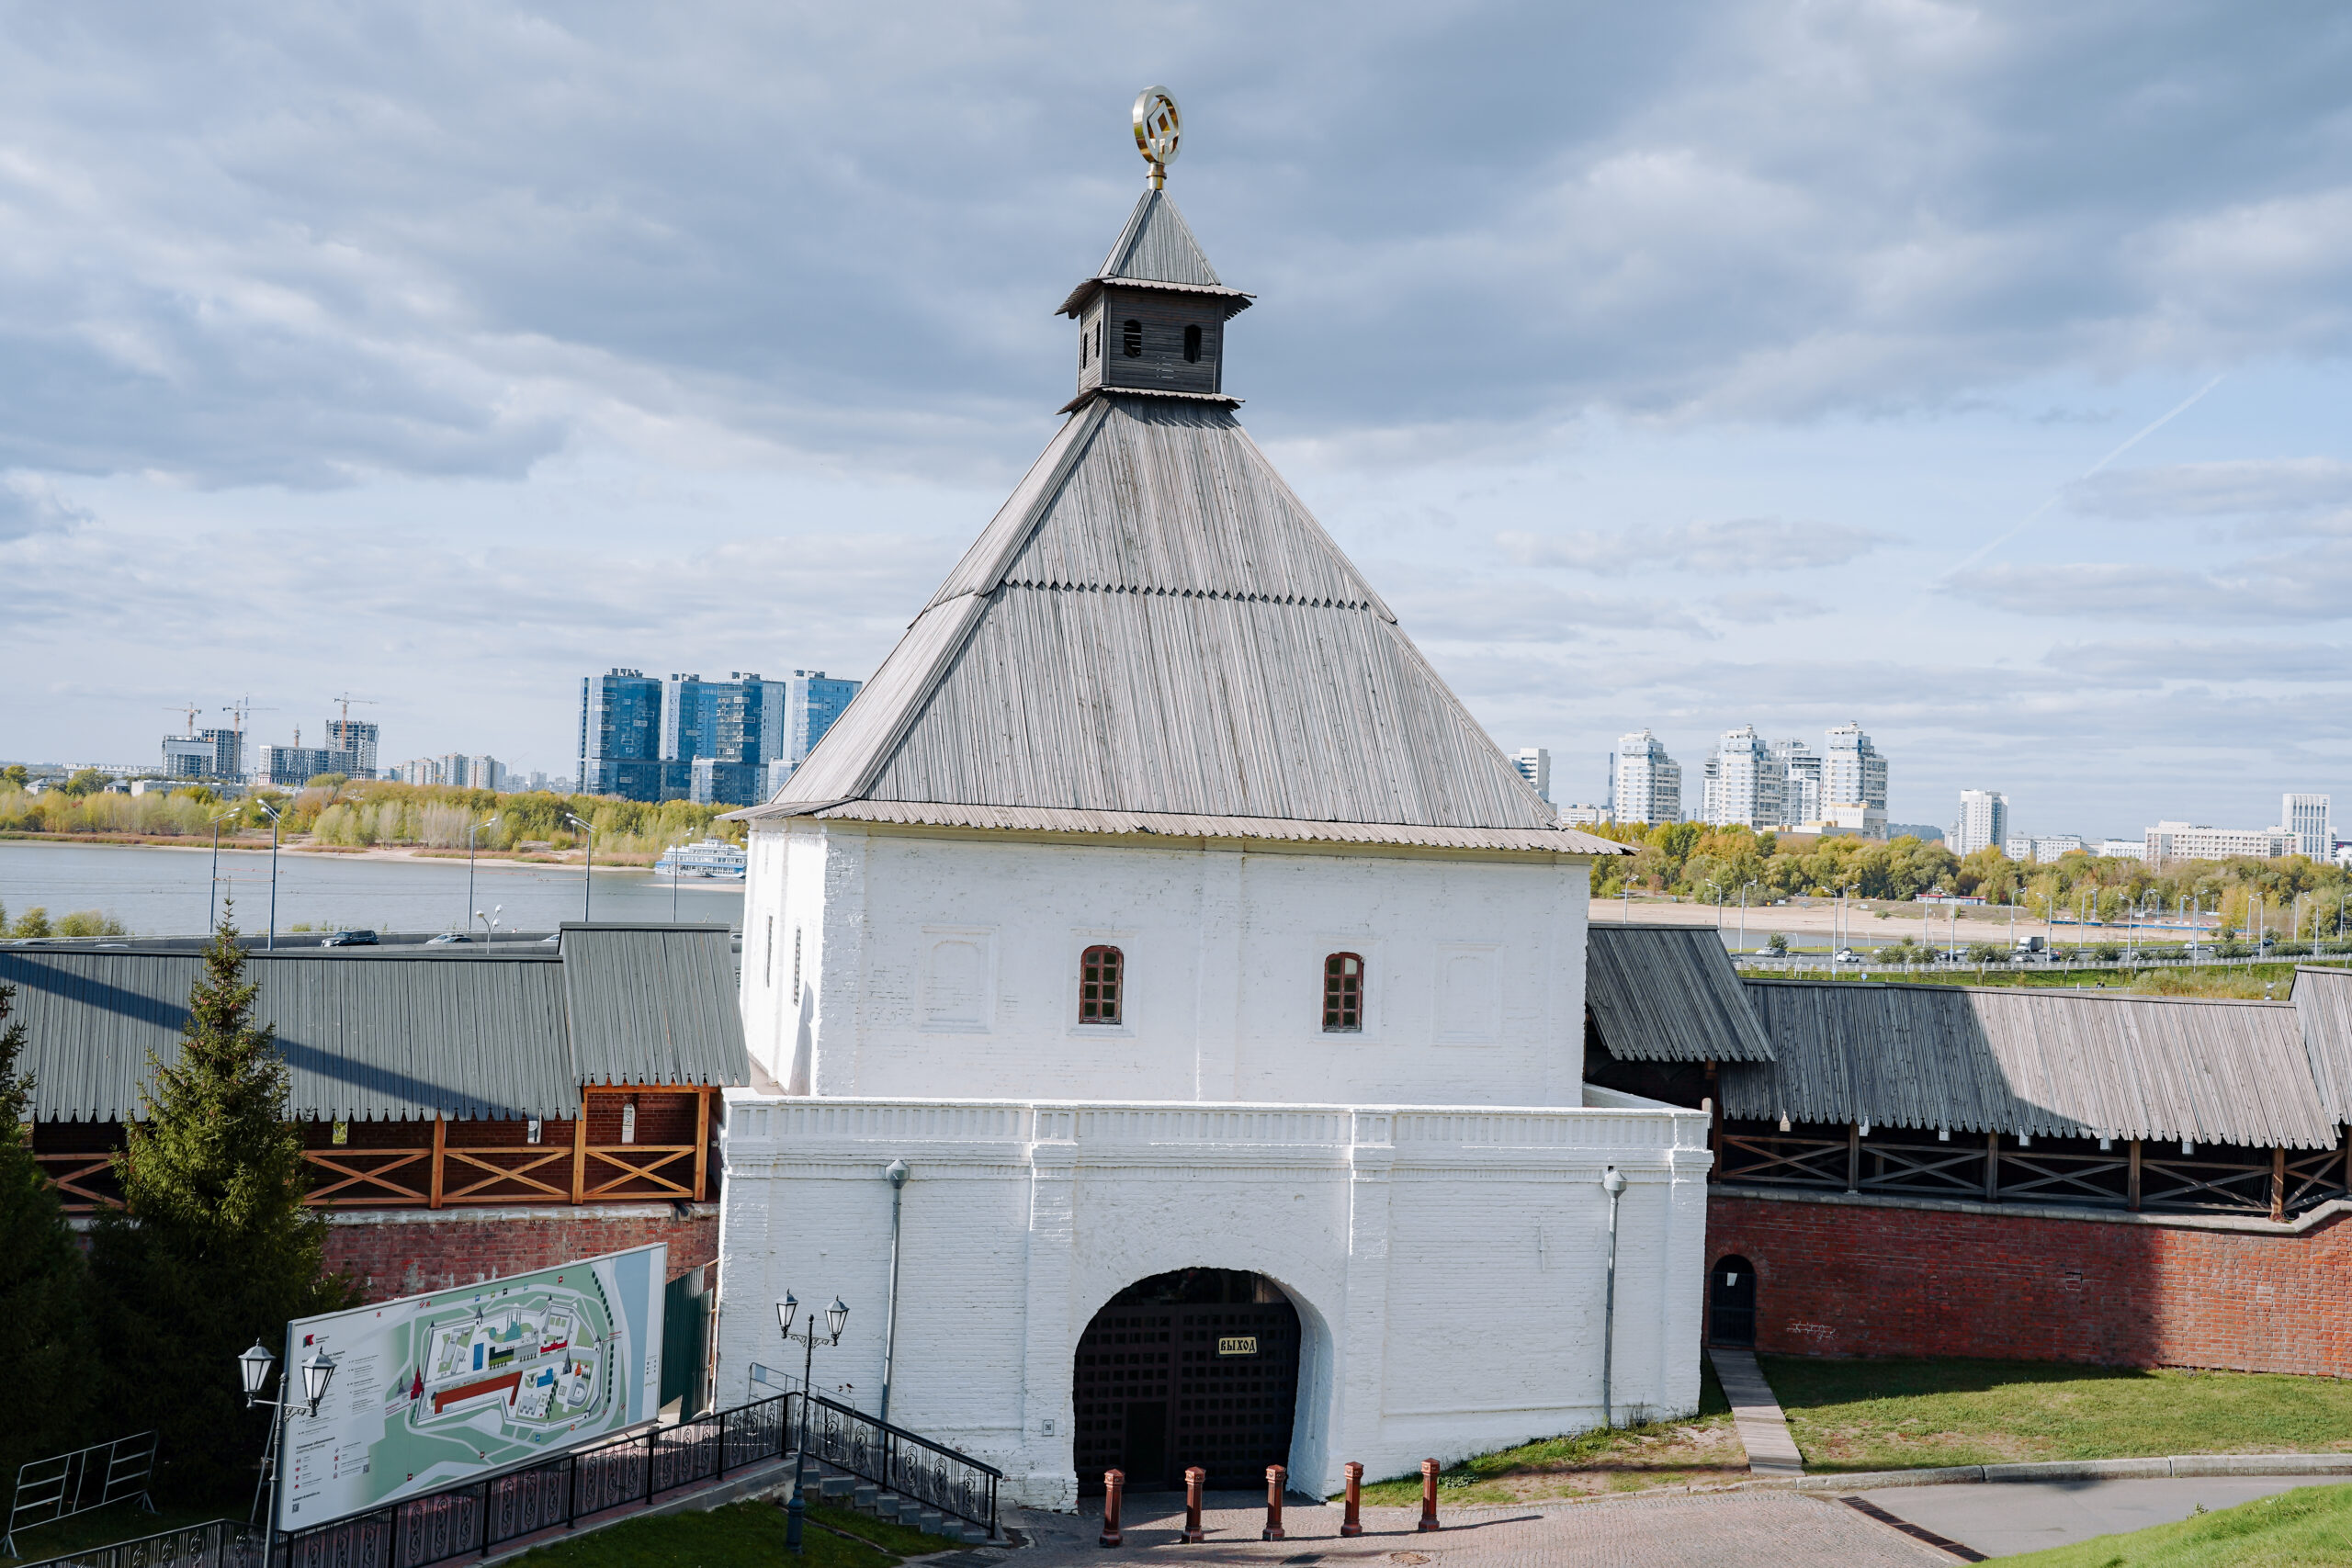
x=1983 y=821
x=1647 y=786
x=1744 y=781
x=1159 y=907
x=1853 y=781
x=1535 y=765
x=2308 y=818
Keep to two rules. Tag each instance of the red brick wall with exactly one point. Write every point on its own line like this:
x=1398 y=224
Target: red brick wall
x=1845 y=1279
x=408 y=1251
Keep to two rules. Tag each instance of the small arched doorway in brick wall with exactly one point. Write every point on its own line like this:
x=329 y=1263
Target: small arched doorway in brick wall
x=1197 y=1367
x=1731 y=1304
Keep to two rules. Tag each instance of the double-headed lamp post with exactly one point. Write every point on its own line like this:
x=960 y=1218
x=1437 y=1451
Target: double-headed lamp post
x=252 y=1367
x=809 y=1339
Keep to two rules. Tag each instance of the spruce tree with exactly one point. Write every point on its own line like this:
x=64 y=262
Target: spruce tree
x=212 y=1247
x=46 y=1364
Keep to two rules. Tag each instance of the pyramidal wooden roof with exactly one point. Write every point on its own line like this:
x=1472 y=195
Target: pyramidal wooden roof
x=1155 y=635
x=1157 y=250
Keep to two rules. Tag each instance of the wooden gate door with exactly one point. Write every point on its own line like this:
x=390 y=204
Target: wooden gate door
x=1731 y=1304
x=1199 y=1367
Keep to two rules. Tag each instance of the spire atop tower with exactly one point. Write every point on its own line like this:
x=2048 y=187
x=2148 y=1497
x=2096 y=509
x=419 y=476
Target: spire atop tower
x=1159 y=131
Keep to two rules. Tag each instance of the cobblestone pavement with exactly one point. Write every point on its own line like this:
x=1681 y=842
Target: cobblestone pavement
x=1728 y=1530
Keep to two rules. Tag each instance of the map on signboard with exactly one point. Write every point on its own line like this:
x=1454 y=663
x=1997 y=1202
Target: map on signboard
x=430 y=1389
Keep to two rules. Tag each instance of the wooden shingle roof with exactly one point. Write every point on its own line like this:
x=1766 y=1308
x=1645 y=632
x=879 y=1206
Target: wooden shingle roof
x=1670 y=994
x=1155 y=635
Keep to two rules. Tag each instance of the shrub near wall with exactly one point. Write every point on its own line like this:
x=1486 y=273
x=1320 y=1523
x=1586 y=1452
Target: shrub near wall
x=1841 y=1279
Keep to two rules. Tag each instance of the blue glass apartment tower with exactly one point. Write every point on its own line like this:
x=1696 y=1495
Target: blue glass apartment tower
x=620 y=735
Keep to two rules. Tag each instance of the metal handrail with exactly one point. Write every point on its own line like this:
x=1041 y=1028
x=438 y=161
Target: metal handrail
x=477 y=1516
x=58 y=1488
x=905 y=1462
x=216 y=1544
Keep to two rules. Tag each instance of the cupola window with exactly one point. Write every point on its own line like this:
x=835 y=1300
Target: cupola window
x=1133 y=332
x=1102 y=971
x=1193 y=345
x=1344 y=994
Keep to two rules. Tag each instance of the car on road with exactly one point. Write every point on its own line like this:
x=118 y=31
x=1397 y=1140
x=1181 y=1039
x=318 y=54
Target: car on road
x=351 y=939
x=446 y=939
x=1846 y=955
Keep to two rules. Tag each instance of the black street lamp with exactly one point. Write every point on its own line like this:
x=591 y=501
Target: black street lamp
x=836 y=1315
x=252 y=1371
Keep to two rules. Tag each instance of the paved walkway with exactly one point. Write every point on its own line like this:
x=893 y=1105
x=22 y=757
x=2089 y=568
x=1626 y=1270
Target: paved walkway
x=1755 y=1411
x=1727 y=1531
x=2000 y=1517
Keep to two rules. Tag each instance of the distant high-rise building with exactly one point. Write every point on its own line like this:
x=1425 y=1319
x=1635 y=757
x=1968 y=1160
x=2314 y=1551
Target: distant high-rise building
x=812 y=702
x=1743 y=782
x=419 y=771
x=620 y=735
x=1800 y=781
x=214 y=754
x=291 y=767
x=1535 y=765
x=1853 y=781
x=1647 y=785
x=1983 y=821
x=2308 y=818
x=485 y=773
x=356 y=740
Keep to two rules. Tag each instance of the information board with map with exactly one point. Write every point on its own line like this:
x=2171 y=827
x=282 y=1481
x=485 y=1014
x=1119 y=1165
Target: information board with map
x=433 y=1389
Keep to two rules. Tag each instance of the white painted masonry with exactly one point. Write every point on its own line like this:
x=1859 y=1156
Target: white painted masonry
x=939 y=962
x=1447 y=1262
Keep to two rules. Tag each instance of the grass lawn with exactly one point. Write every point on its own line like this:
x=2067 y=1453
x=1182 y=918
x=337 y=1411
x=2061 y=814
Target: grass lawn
x=1897 y=1415
x=1661 y=1453
x=2309 y=1526
x=104 y=1526
x=742 y=1535
x=1856 y=1416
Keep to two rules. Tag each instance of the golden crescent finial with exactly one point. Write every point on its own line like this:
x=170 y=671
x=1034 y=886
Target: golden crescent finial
x=1158 y=128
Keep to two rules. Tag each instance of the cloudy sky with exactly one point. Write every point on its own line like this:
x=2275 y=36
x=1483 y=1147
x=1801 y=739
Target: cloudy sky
x=1976 y=372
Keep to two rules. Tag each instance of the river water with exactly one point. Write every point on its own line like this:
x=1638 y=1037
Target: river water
x=165 y=892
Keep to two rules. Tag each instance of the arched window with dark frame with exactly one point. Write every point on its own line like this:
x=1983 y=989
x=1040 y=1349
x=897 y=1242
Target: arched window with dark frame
x=1192 y=345
x=1102 y=976
x=1344 y=994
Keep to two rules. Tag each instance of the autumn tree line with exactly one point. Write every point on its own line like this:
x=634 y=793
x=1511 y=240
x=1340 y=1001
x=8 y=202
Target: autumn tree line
x=1692 y=859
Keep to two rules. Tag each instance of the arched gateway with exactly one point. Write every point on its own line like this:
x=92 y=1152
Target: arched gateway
x=1197 y=1367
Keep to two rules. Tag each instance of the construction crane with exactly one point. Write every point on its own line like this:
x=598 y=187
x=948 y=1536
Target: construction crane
x=239 y=711
x=347 y=699
x=191 y=710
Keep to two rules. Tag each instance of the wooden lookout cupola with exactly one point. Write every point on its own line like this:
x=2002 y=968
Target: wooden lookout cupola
x=1152 y=318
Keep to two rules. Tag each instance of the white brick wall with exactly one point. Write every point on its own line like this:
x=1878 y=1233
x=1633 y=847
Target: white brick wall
x=936 y=963
x=1447 y=1265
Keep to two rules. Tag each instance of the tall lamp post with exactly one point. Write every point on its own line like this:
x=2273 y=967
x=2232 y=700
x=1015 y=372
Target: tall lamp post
x=809 y=1339
x=273 y=870
x=213 y=922
x=470 y=833
x=1612 y=1181
x=1742 y=916
x=252 y=1367
x=587 y=883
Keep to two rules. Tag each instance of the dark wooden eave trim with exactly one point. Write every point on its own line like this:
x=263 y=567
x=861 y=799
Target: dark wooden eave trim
x=1091 y=393
x=1083 y=294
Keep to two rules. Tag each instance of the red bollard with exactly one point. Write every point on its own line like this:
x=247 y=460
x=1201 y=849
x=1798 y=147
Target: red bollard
x=1275 y=1476
x=1195 y=1478
x=1353 y=1523
x=1428 y=1495
x=1114 y=1483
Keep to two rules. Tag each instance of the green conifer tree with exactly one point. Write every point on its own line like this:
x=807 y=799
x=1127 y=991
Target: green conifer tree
x=213 y=1248
x=46 y=1364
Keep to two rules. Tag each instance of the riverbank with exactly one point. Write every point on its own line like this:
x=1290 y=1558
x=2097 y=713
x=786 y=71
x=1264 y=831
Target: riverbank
x=520 y=854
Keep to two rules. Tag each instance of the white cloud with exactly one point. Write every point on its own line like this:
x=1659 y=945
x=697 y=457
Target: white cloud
x=30 y=504
x=1738 y=544
x=2247 y=486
